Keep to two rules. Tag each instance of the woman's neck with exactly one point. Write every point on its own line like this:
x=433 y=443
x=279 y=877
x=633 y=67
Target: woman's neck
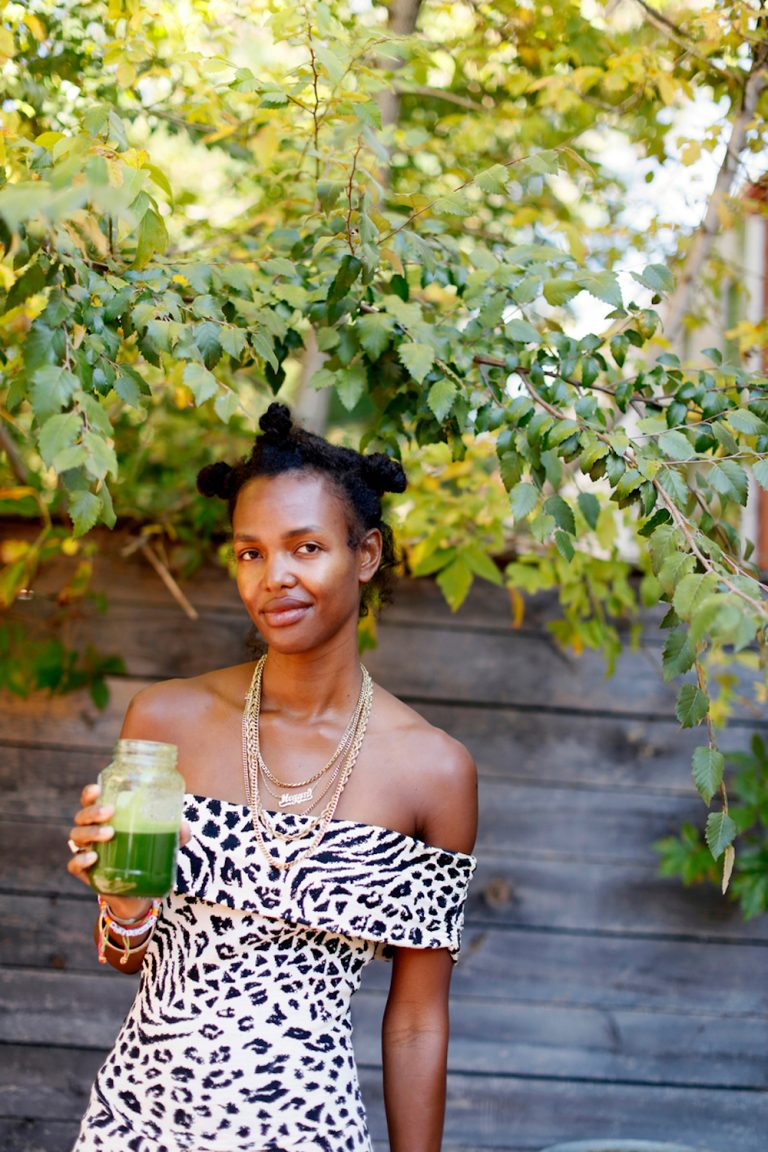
x=308 y=685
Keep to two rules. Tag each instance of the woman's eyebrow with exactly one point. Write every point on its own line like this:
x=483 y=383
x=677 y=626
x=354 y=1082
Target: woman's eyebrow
x=308 y=530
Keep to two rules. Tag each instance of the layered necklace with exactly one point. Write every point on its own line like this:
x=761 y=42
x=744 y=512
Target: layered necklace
x=337 y=770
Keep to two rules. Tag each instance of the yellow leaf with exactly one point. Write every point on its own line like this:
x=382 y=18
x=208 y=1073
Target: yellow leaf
x=70 y=547
x=7 y=45
x=35 y=26
x=219 y=134
x=690 y=152
x=126 y=74
x=48 y=139
x=518 y=607
x=391 y=257
x=12 y=550
x=15 y=494
x=728 y=862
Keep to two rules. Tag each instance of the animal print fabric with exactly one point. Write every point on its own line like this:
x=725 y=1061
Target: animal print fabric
x=240 y=1039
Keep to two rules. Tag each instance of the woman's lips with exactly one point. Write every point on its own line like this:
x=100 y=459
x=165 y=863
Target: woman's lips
x=283 y=613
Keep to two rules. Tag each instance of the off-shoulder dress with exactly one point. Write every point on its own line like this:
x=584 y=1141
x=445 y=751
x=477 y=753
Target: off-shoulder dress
x=239 y=1038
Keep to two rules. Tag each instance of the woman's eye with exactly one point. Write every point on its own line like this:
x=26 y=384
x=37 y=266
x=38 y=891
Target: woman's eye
x=248 y=554
x=309 y=548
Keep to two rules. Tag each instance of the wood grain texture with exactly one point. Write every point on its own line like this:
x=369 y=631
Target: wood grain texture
x=593 y=998
x=483 y=1111
x=510 y=1035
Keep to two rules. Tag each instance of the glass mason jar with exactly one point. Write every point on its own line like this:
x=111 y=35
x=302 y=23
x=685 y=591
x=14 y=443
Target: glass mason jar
x=147 y=794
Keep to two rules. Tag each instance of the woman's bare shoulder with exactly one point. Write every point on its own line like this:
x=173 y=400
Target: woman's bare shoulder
x=159 y=710
x=438 y=767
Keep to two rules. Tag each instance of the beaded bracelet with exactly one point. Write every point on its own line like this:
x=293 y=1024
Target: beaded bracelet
x=145 y=926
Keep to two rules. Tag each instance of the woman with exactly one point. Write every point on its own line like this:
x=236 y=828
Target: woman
x=325 y=822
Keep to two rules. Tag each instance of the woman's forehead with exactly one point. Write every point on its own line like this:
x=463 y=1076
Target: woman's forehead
x=309 y=495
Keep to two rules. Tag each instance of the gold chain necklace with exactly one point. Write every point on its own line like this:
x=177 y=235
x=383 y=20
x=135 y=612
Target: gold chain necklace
x=302 y=789
x=252 y=763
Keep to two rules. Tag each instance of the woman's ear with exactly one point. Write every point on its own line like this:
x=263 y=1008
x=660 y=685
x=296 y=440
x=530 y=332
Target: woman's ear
x=369 y=555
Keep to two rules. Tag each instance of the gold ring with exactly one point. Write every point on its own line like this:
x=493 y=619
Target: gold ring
x=74 y=848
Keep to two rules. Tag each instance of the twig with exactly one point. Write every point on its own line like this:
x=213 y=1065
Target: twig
x=350 y=190
x=167 y=579
x=18 y=467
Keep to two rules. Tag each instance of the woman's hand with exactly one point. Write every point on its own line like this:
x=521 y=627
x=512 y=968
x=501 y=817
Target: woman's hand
x=92 y=827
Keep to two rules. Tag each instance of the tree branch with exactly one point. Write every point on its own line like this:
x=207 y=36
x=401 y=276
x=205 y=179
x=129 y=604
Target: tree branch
x=678 y=303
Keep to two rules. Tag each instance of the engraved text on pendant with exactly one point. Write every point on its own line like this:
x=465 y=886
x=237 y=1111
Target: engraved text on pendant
x=289 y=798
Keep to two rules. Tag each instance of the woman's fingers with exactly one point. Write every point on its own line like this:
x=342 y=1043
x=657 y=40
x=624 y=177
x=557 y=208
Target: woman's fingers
x=89 y=795
x=91 y=827
x=185 y=835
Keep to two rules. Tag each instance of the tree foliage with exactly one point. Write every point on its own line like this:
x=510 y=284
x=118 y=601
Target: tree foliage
x=195 y=193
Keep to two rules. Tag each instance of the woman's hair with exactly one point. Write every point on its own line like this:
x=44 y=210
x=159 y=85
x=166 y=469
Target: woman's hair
x=360 y=480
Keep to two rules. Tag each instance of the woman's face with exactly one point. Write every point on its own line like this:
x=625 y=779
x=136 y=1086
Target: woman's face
x=296 y=573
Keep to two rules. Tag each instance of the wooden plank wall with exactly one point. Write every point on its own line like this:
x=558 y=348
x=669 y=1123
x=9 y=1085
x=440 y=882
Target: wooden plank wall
x=593 y=999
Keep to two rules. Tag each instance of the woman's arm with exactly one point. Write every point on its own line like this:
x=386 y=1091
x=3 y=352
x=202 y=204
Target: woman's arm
x=415 y=1049
x=416 y=1025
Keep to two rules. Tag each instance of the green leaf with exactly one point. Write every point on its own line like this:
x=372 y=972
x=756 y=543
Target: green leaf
x=206 y=337
x=233 y=341
x=481 y=564
x=589 y=506
x=604 y=286
x=84 y=509
x=760 y=472
x=692 y=591
x=441 y=397
x=374 y=331
x=521 y=332
x=674 y=569
x=278 y=266
x=564 y=545
x=264 y=346
x=129 y=385
x=560 y=291
x=58 y=433
x=493 y=179
x=708 y=766
x=562 y=513
x=523 y=499
x=417 y=358
x=561 y=431
x=745 y=421
x=31 y=281
x=656 y=277
x=52 y=388
x=692 y=705
x=348 y=271
x=676 y=446
x=730 y=480
x=273 y=98
x=328 y=192
x=201 y=383
x=152 y=238
x=678 y=655
x=454 y=582
x=350 y=384
x=720 y=832
x=225 y=405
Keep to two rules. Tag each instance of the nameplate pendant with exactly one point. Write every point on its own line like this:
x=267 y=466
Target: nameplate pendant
x=290 y=798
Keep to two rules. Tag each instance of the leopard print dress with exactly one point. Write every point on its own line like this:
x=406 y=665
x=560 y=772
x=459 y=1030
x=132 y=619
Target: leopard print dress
x=239 y=1039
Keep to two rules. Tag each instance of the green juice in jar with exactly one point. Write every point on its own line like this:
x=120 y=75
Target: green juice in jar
x=136 y=863
x=147 y=794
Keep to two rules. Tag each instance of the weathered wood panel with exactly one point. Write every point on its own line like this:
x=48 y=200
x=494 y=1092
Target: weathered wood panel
x=509 y=1036
x=483 y=1111
x=579 y=1007
x=578 y=751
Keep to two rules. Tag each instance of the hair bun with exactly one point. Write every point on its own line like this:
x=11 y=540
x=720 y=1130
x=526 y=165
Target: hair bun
x=277 y=423
x=215 y=480
x=384 y=473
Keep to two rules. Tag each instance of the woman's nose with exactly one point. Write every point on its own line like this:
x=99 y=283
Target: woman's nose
x=279 y=574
